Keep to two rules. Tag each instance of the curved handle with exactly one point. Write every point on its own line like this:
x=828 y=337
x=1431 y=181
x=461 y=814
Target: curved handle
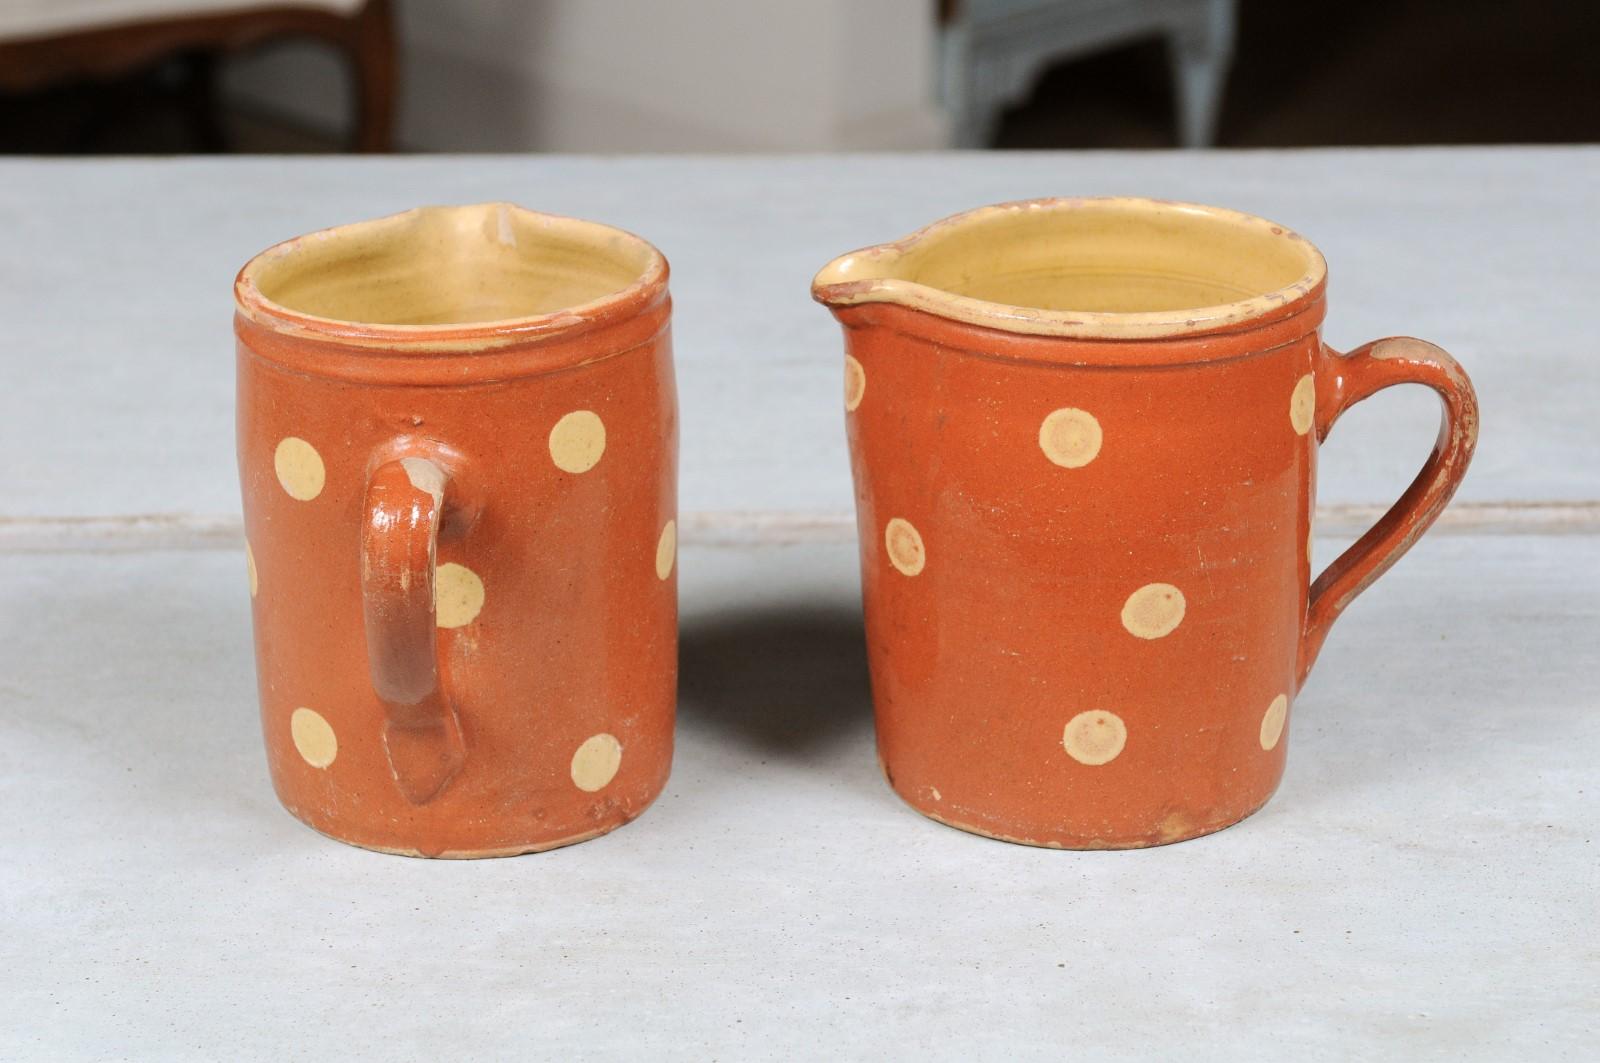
x=1342 y=380
x=399 y=547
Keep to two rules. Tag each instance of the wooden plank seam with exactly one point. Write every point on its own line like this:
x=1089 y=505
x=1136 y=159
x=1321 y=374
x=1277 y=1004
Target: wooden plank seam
x=179 y=531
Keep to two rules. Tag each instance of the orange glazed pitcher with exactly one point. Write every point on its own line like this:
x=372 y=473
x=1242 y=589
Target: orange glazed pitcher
x=458 y=445
x=1084 y=436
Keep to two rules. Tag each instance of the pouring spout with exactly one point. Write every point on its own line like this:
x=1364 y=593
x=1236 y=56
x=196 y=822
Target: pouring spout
x=859 y=276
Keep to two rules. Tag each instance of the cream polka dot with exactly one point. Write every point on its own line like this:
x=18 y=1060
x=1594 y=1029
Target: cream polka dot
x=666 y=549
x=313 y=737
x=1303 y=404
x=457 y=595
x=855 y=383
x=904 y=543
x=1070 y=438
x=1153 y=611
x=577 y=441
x=299 y=468
x=596 y=762
x=250 y=567
x=1095 y=738
x=1272 y=721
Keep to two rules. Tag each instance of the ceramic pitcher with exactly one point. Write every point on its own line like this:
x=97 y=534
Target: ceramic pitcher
x=457 y=444
x=1084 y=437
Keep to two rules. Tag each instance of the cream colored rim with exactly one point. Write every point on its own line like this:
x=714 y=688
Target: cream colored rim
x=872 y=275
x=648 y=281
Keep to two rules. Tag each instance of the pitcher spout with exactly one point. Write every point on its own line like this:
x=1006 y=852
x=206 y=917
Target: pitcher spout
x=860 y=276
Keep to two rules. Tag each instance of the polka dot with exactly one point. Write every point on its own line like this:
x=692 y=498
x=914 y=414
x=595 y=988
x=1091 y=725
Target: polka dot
x=904 y=543
x=1070 y=438
x=1272 y=721
x=596 y=762
x=666 y=549
x=577 y=441
x=250 y=567
x=457 y=595
x=313 y=737
x=1303 y=404
x=1153 y=611
x=1095 y=738
x=299 y=468
x=855 y=383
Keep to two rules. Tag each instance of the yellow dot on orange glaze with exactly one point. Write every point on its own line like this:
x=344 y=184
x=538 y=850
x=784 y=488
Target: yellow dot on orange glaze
x=855 y=383
x=1094 y=738
x=313 y=737
x=1153 y=611
x=1272 y=721
x=250 y=567
x=299 y=468
x=1070 y=438
x=1303 y=404
x=596 y=762
x=666 y=549
x=905 y=548
x=577 y=441
x=457 y=595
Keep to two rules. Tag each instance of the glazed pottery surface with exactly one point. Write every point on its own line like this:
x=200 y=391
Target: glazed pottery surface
x=1084 y=437
x=457 y=446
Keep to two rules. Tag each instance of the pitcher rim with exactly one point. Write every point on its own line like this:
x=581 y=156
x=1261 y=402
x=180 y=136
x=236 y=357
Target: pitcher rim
x=848 y=280
x=647 y=288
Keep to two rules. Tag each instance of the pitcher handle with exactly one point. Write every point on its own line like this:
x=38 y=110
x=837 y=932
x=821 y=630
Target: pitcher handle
x=1341 y=381
x=399 y=550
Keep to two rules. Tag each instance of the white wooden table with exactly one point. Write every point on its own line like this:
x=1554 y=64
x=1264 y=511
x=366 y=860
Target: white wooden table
x=1426 y=884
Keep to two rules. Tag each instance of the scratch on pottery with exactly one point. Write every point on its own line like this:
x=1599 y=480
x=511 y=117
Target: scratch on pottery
x=1406 y=347
x=1205 y=568
x=1174 y=825
x=508 y=235
x=425 y=476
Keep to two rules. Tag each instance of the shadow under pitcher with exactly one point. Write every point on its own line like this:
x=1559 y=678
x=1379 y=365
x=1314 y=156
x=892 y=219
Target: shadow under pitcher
x=457 y=435
x=1084 y=437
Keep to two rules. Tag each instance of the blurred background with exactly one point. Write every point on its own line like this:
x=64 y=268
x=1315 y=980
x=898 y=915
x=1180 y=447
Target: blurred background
x=612 y=76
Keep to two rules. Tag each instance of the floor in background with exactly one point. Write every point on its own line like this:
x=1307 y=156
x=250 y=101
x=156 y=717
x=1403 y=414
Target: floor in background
x=1361 y=72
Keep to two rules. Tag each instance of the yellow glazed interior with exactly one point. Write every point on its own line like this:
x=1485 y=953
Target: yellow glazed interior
x=1124 y=268
x=493 y=264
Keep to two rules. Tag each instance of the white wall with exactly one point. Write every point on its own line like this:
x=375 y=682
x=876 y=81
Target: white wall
x=632 y=75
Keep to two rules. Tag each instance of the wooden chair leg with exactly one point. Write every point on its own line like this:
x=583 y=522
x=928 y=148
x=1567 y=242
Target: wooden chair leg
x=200 y=102
x=371 y=50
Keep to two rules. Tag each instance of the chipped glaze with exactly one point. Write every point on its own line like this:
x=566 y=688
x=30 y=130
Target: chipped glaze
x=1084 y=437
x=457 y=440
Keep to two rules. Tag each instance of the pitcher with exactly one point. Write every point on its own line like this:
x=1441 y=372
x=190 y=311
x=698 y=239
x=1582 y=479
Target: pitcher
x=1084 y=437
x=457 y=447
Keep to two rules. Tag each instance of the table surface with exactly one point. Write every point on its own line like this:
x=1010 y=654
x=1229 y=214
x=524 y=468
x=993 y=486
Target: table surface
x=1425 y=884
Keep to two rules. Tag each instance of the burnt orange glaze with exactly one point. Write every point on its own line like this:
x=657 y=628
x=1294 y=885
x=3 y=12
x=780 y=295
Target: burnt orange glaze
x=1086 y=558
x=462 y=534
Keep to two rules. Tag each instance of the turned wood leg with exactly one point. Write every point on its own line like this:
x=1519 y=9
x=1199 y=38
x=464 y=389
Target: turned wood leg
x=371 y=50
